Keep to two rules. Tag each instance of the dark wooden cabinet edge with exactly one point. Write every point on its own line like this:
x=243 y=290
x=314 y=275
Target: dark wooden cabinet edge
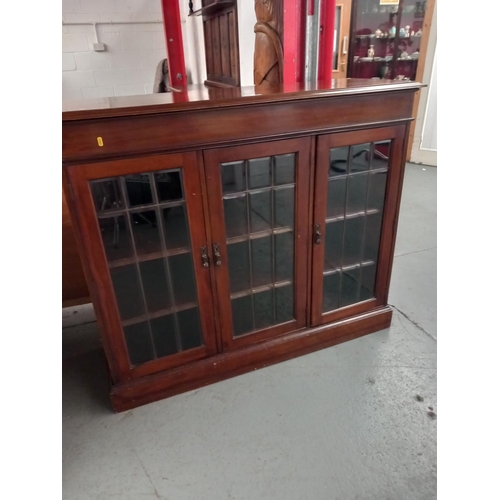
x=78 y=160
x=130 y=395
x=397 y=211
x=129 y=110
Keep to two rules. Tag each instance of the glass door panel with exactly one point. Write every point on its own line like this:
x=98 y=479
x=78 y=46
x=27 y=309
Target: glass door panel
x=259 y=215
x=255 y=189
x=356 y=191
x=351 y=195
x=148 y=239
x=145 y=234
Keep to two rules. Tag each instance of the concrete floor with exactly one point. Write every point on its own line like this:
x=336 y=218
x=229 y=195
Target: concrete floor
x=353 y=422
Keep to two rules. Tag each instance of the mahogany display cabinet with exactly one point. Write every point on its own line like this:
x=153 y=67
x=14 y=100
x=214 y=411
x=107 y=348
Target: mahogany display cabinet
x=223 y=230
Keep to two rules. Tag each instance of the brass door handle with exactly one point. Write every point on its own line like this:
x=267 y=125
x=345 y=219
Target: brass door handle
x=218 y=261
x=204 y=257
x=317 y=234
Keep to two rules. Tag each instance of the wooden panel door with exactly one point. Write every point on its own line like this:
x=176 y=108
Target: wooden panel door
x=220 y=28
x=144 y=238
x=259 y=201
x=357 y=188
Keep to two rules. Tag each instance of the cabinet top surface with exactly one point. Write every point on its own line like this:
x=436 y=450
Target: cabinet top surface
x=196 y=97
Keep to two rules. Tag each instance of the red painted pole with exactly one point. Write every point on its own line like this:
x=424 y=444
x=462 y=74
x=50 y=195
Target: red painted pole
x=325 y=55
x=294 y=18
x=175 y=47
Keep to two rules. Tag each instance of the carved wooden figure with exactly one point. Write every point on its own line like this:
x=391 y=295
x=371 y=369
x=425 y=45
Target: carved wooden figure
x=268 y=55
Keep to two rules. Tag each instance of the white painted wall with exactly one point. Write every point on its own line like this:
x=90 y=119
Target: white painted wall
x=424 y=147
x=429 y=134
x=133 y=50
x=132 y=31
x=246 y=39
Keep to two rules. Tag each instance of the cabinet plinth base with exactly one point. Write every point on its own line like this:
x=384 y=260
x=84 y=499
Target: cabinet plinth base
x=129 y=395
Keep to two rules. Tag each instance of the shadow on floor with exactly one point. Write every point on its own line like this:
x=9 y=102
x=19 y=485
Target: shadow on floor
x=86 y=379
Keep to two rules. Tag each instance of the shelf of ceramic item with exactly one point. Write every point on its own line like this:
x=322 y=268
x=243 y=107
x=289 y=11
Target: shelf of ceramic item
x=387 y=37
x=385 y=60
x=371 y=60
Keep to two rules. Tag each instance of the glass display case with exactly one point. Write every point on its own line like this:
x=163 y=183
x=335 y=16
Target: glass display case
x=386 y=37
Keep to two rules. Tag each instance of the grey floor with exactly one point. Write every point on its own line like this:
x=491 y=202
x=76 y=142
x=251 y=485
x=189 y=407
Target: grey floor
x=353 y=422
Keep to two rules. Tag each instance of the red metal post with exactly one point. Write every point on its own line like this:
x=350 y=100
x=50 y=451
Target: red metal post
x=294 y=17
x=327 y=27
x=175 y=47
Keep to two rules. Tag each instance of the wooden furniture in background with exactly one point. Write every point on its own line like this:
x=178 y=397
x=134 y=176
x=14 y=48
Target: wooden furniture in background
x=220 y=28
x=341 y=38
x=222 y=233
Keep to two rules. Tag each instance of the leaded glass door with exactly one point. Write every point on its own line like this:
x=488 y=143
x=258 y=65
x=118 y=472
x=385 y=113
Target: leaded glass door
x=354 y=220
x=259 y=237
x=148 y=238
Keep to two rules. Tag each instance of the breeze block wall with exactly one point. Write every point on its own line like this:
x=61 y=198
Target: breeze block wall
x=134 y=40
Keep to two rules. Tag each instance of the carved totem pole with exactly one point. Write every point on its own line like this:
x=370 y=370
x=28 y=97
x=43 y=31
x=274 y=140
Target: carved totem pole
x=268 y=55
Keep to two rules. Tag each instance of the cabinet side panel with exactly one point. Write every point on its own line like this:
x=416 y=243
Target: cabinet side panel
x=74 y=285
